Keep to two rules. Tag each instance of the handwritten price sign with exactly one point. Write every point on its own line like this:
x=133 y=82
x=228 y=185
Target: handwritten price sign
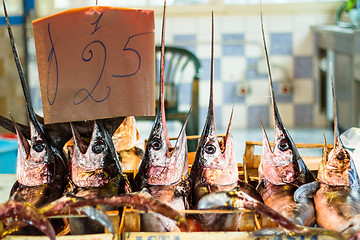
x=96 y=62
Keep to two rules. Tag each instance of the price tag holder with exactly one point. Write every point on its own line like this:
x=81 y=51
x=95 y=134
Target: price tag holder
x=96 y=62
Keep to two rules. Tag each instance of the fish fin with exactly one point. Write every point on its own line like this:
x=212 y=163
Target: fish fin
x=325 y=155
x=266 y=142
x=228 y=141
x=99 y=215
x=181 y=142
x=9 y=125
x=183 y=188
x=312 y=231
x=12 y=228
x=24 y=146
x=261 y=183
x=139 y=200
x=79 y=142
x=24 y=211
x=250 y=190
x=265 y=232
x=306 y=191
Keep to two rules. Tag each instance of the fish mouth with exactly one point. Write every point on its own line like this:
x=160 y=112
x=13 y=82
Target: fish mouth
x=279 y=175
x=92 y=177
x=97 y=178
x=163 y=175
x=34 y=174
x=216 y=176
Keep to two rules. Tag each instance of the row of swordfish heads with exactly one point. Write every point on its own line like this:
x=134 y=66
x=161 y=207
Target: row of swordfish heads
x=75 y=168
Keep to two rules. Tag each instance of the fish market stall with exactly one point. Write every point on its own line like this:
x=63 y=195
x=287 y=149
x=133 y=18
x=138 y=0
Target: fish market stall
x=82 y=174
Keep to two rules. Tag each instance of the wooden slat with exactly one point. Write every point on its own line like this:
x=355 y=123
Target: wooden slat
x=186 y=236
x=252 y=161
x=209 y=236
x=105 y=236
x=298 y=145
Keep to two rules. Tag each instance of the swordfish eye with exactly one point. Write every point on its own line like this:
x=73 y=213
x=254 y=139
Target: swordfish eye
x=98 y=147
x=210 y=148
x=156 y=144
x=283 y=146
x=342 y=156
x=39 y=146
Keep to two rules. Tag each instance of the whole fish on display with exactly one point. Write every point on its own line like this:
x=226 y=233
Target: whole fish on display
x=95 y=173
x=57 y=134
x=27 y=214
x=282 y=170
x=215 y=167
x=75 y=206
x=41 y=168
x=336 y=192
x=128 y=145
x=164 y=168
x=238 y=199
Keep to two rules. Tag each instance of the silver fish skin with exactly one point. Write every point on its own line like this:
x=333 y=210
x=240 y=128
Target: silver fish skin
x=164 y=168
x=282 y=170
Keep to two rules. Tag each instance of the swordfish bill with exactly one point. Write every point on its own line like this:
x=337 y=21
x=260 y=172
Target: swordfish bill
x=24 y=84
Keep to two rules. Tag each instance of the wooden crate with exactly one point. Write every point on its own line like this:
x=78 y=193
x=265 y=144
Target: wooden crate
x=114 y=216
x=131 y=230
x=129 y=227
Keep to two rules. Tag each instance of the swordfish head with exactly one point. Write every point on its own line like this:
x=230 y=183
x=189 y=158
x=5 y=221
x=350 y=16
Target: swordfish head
x=279 y=166
x=337 y=168
x=215 y=161
x=283 y=164
x=93 y=164
x=162 y=163
x=35 y=161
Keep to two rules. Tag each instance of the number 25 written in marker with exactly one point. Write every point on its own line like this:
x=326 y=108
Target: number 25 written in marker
x=88 y=93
